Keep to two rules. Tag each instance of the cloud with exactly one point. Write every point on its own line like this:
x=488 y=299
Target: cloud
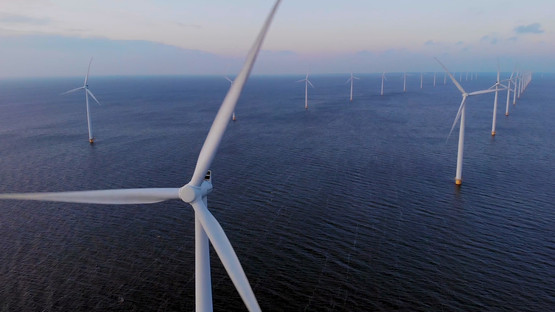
x=20 y=19
x=534 y=28
x=492 y=39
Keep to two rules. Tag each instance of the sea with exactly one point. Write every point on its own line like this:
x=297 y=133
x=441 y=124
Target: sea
x=345 y=206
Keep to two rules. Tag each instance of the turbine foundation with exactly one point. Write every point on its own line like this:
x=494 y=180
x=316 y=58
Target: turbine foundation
x=91 y=141
x=458 y=181
x=493 y=133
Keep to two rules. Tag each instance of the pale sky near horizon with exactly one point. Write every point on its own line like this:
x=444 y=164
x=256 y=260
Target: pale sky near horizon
x=55 y=37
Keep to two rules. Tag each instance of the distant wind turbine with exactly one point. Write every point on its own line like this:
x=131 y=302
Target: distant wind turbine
x=351 y=79
x=421 y=79
x=383 y=78
x=515 y=88
x=87 y=93
x=496 y=89
x=307 y=82
x=231 y=82
x=461 y=115
x=509 y=93
x=207 y=228
x=435 y=79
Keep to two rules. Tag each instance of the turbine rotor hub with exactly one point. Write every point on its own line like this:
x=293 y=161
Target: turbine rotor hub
x=189 y=193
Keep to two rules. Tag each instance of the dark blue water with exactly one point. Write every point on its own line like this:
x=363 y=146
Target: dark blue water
x=344 y=207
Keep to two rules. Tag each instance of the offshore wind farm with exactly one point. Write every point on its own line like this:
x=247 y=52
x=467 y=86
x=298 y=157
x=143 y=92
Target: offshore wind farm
x=356 y=203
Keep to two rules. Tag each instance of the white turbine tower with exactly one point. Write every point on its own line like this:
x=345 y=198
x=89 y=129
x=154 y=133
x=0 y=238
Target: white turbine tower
x=207 y=228
x=509 y=93
x=87 y=93
x=405 y=82
x=307 y=82
x=435 y=79
x=496 y=89
x=231 y=82
x=516 y=87
x=421 y=79
x=351 y=79
x=461 y=115
x=383 y=78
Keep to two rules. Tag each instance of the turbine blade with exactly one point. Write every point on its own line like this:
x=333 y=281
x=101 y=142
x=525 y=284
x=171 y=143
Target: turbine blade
x=72 y=90
x=228 y=79
x=301 y=80
x=483 y=91
x=94 y=98
x=451 y=76
x=115 y=197
x=88 y=70
x=227 y=255
x=310 y=83
x=463 y=102
x=223 y=116
x=349 y=80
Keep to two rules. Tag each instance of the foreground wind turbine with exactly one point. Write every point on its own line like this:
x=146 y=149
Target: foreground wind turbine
x=351 y=80
x=496 y=89
x=231 y=82
x=461 y=115
x=207 y=228
x=307 y=82
x=87 y=93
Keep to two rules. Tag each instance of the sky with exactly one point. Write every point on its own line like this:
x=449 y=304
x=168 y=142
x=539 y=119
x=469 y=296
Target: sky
x=41 y=38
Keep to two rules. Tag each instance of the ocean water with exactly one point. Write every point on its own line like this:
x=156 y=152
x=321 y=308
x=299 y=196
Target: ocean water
x=347 y=206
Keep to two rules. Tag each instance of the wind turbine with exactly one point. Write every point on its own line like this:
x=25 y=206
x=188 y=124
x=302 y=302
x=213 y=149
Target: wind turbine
x=496 y=89
x=515 y=88
x=307 y=82
x=383 y=78
x=87 y=93
x=461 y=115
x=435 y=79
x=509 y=93
x=351 y=79
x=405 y=82
x=207 y=228
x=231 y=82
x=421 y=79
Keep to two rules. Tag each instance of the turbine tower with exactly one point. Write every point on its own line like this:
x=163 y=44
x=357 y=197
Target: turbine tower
x=207 y=228
x=87 y=93
x=509 y=93
x=383 y=78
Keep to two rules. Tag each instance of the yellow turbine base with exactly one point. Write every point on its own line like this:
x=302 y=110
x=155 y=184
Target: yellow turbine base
x=91 y=140
x=493 y=133
x=506 y=114
x=458 y=181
